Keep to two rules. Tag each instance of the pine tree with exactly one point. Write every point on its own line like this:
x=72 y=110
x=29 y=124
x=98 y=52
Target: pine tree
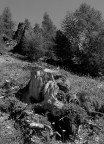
x=7 y=23
x=27 y=23
x=49 y=34
x=62 y=48
x=37 y=28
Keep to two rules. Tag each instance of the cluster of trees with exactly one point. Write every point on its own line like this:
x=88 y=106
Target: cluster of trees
x=84 y=29
x=38 y=41
x=84 y=42
x=78 y=45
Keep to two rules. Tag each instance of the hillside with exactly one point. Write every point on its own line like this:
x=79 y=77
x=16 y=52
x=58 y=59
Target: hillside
x=70 y=110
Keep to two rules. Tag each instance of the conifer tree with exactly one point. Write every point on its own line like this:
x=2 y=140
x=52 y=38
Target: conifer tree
x=49 y=34
x=7 y=23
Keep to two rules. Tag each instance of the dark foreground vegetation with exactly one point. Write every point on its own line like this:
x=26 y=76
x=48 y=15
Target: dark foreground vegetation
x=42 y=100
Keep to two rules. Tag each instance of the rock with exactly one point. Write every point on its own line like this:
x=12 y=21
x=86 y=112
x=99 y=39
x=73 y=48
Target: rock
x=38 y=125
x=58 y=104
x=50 y=70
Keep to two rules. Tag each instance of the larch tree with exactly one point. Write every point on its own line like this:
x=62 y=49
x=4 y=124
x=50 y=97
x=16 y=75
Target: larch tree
x=7 y=23
x=49 y=34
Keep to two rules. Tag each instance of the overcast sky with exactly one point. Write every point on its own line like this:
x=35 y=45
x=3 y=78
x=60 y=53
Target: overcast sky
x=34 y=9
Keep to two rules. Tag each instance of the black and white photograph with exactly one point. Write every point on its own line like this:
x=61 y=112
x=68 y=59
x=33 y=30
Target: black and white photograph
x=51 y=71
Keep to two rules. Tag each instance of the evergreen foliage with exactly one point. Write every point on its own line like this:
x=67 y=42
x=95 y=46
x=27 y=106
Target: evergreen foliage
x=49 y=34
x=7 y=23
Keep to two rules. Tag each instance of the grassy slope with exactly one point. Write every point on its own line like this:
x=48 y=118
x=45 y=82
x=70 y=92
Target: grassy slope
x=11 y=68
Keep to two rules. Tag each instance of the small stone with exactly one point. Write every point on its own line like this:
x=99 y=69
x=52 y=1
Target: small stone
x=33 y=124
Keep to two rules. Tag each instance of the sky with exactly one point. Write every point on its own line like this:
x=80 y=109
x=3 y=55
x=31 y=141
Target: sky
x=35 y=9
